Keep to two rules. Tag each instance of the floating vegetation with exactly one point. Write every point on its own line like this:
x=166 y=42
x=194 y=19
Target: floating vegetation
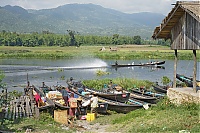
x=101 y=73
x=60 y=69
x=62 y=77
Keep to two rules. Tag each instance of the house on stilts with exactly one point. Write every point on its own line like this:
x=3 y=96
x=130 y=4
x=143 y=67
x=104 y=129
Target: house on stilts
x=182 y=27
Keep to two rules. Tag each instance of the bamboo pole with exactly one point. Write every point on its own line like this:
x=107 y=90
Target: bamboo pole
x=175 y=68
x=194 y=71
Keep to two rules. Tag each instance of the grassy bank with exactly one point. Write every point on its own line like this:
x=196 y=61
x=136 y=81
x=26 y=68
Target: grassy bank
x=125 y=83
x=125 y=52
x=165 y=117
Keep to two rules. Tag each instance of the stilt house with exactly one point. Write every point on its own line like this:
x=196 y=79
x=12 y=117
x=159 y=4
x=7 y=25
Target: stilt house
x=182 y=27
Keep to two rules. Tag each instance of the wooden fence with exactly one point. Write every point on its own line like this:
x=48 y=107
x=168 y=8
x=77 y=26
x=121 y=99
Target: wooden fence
x=21 y=107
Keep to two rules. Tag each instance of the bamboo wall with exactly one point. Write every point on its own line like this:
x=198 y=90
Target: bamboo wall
x=186 y=34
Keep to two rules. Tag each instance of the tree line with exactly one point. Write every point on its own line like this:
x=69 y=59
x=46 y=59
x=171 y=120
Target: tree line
x=72 y=38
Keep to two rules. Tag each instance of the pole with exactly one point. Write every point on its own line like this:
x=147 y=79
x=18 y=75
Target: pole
x=175 y=68
x=194 y=71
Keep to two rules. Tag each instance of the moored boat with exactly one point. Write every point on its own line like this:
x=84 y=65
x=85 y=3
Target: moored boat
x=147 y=99
x=149 y=93
x=121 y=97
x=120 y=107
x=48 y=104
x=187 y=80
x=102 y=107
x=158 y=88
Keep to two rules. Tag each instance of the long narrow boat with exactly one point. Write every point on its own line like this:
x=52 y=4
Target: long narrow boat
x=122 y=97
x=149 y=93
x=44 y=90
x=120 y=107
x=187 y=80
x=158 y=88
x=147 y=99
x=114 y=105
x=102 y=107
x=142 y=64
x=49 y=103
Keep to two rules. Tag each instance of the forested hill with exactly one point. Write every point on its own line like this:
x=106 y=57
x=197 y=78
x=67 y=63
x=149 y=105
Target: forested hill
x=83 y=18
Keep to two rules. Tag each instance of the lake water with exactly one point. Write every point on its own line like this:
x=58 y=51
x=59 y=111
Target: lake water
x=57 y=71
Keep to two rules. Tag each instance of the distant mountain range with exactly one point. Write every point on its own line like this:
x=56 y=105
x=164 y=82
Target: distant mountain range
x=83 y=18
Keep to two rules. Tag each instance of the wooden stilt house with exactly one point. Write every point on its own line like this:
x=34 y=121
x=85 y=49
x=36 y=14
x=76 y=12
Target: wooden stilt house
x=182 y=27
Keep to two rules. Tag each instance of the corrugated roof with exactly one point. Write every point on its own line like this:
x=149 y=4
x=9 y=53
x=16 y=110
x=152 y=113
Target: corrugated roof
x=191 y=7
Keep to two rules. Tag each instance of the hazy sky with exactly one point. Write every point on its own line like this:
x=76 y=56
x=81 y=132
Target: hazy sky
x=127 y=6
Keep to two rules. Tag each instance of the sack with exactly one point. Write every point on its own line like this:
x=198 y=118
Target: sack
x=73 y=103
x=86 y=103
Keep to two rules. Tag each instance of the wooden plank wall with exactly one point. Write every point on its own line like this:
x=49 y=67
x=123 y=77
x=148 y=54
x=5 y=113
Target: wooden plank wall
x=186 y=34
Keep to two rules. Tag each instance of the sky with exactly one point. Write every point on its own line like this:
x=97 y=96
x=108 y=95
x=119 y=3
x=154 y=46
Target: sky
x=126 y=6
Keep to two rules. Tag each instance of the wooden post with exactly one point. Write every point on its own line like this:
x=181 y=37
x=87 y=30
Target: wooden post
x=175 y=68
x=194 y=71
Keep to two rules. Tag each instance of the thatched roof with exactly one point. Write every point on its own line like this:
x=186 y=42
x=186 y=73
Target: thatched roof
x=191 y=7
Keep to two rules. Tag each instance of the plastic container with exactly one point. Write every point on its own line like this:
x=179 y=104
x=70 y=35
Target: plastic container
x=90 y=116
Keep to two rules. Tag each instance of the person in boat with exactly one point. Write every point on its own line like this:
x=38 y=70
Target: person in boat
x=94 y=104
x=110 y=86
x=26 y=89
x=116 y=63
x=37 y=98
x=45 y=88
x=70 y=82
x=81 y=89
x=85 y=92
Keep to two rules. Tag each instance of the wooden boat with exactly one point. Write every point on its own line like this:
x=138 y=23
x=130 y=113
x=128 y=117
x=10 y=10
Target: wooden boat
x=120 y=107
x=102 y=107
x=158 y=88
x=142 y=64
x=149 y=93
x=114 y=105
x=187 y=80
x=49 y=103
x=46 y=89
x=123 y=97
x=147 y=99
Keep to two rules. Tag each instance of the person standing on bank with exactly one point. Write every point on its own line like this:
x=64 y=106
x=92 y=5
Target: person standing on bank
x=94 y=104
x=65 y=95
x=73 y=105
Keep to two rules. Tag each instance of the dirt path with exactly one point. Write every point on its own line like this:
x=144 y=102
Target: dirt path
x=85 y=126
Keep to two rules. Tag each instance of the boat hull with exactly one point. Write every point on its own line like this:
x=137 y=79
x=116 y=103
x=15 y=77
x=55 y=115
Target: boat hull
x=159 y=88
x=144 y=64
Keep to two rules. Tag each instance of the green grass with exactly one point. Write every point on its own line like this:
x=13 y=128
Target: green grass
x=44 y=124
x=165 y=117
x=125 y=52
x=125 y=83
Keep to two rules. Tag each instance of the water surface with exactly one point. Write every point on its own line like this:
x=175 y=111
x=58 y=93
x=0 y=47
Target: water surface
x=52 y=72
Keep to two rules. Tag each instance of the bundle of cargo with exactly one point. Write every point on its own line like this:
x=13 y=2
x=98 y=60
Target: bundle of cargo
x=54 y=95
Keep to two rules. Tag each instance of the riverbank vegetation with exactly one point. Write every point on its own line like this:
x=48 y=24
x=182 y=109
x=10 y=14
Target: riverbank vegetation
x=124 y=52
x=165 y=117
x=125 y=83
